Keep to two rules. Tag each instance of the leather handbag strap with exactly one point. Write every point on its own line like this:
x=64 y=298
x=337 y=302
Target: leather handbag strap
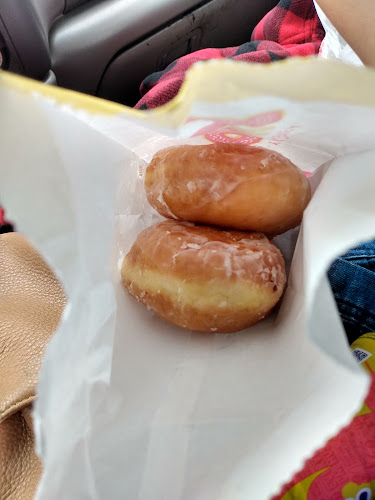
x=31 y=303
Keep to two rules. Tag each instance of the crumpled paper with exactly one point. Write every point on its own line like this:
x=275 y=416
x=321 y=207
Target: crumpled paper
x=130 y=407
x=334 y=46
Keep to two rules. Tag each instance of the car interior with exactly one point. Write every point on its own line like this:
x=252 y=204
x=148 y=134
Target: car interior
x=107 y=47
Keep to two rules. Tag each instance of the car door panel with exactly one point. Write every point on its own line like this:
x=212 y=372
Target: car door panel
x=219 y=23
x=107 y=47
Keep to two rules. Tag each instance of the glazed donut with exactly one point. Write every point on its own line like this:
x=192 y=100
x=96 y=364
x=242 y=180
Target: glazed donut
x=203 y=278
x=228 y=185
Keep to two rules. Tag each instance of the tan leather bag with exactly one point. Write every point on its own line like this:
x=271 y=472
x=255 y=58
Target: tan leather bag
x=31 y=303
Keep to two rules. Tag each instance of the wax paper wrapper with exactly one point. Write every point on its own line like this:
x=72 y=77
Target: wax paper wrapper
x=129 y=407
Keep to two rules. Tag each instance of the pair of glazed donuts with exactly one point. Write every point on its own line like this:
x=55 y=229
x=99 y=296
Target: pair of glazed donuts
x=210 y=268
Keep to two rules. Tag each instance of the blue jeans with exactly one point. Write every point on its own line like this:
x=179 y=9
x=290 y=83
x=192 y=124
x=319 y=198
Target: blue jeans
x=352 y=279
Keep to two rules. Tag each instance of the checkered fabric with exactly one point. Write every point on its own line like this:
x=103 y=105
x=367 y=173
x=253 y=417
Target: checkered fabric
x=5 y=226
x=291 y=29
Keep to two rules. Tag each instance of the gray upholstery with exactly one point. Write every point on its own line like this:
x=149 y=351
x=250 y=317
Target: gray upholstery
x=84 y=42
x=46 y=10
x=25 y=37
x=106 y=47
x=72 y=4
x=219 y=23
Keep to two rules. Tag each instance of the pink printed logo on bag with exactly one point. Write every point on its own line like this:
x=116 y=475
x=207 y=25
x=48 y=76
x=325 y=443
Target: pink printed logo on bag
x=244 y=131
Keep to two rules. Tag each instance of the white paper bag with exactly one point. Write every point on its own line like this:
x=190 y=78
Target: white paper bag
x=334 y=46
x=130 y=408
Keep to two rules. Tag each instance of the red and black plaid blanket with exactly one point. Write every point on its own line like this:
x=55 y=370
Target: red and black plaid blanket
x=291 y=29
x=5 y=226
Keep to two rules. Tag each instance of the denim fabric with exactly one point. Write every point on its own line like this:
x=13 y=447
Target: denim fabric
x=352 y=279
